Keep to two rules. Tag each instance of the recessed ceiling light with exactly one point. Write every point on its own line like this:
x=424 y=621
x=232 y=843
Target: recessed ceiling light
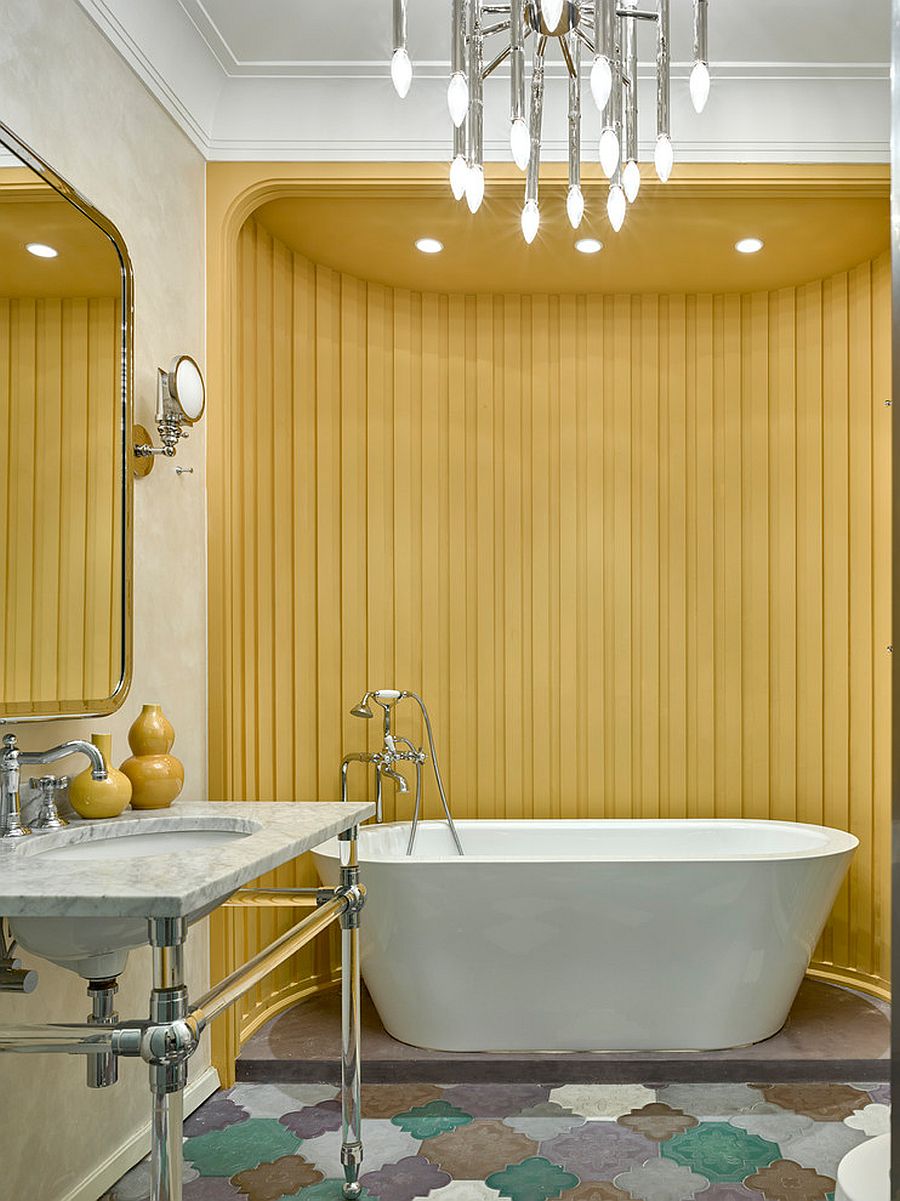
x=429 y=245
x=588 y=245
x=39 y=250
x=749 y=245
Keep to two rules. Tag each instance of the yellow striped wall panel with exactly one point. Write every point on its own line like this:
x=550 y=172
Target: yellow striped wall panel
x=60 y=540
x=633 y=551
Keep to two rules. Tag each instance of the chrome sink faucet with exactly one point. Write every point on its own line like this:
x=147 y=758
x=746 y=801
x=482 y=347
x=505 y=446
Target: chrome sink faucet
x=386 y=759
x=11 y=759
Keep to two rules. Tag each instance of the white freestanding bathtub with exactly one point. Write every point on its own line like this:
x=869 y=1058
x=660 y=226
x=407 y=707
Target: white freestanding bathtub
x=592 y=935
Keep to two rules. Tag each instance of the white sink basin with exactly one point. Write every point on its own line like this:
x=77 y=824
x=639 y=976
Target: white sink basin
x=97 y=947
x=139 y=846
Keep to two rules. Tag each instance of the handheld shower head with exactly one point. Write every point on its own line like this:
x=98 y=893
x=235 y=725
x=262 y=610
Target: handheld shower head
x=362 y=709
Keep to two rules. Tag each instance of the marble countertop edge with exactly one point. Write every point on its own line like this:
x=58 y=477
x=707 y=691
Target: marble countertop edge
x=173 y=884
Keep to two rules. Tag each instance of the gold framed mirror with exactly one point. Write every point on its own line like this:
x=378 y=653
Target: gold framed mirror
x=66 y=373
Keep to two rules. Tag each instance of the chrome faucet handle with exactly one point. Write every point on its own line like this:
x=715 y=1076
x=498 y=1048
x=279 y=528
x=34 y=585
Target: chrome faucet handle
x=47 y=787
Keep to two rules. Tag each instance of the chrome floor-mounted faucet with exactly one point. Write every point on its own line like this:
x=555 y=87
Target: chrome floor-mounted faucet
x=385 y=760
x=11 y=758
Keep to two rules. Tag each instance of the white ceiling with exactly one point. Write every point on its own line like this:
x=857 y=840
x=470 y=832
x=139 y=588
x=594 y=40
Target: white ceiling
x=793 y=80
x=267 y=34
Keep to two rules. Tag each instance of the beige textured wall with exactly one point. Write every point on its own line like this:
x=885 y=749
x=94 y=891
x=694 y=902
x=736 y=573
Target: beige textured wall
x=67 y=93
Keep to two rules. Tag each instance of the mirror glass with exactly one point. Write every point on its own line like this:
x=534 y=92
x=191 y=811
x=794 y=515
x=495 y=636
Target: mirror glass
x=65 y=326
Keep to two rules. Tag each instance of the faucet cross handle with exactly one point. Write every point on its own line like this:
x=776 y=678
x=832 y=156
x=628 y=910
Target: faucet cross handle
x=47 y=787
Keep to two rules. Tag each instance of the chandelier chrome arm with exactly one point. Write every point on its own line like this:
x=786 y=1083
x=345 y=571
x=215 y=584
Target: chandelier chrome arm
x=574 y=196
x=531 y=216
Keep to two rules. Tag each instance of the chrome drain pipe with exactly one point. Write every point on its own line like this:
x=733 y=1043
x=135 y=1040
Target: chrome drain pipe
x=102 y=1069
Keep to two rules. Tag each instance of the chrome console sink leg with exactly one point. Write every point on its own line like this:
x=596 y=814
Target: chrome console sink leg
x=351 y=1136
x=168 y=1003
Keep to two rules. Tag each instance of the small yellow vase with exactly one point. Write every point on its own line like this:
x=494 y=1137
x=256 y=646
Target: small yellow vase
x=151 y=732
x=100 y=798
x=156 y=776
x=156 y=780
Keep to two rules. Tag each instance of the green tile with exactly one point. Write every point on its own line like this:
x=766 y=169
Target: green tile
x=721 y=1152
x=534 y=1179
x=239 y=1147
x=325 y=1190
x=427 y=1121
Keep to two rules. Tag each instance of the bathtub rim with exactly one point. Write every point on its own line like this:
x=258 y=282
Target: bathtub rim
x=835 y=841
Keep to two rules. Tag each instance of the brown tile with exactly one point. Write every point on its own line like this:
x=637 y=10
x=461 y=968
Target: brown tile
x=387 y=1100
x=825 y=1102
x=601 y=1190
x=785 y=1180
x=657 y=1121
x=282 y=1178
x=478 y=1149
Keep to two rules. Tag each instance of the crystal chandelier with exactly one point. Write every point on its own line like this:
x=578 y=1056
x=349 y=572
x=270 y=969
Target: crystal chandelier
x=607 y=31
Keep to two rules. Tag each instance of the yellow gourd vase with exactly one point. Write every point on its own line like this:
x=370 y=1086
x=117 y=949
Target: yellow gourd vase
x=100 y=798
x=156 y=776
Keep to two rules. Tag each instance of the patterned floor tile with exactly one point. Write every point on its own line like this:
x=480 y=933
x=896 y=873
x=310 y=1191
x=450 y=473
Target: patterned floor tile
x=246 y=1145
x=661 y=1180
x=215 y=1114
x=731 y=1192
x=710 y=1100
x=534 y=1179
x=432 y=1119
x=478 y=1149
x=494 y=1142
x=326 y=1190
x=788 y=1181
x=210 y=1188
x=602 y=1100
x=773 y=1123
x=383 y=1143
x=824 y=1102
x=599 y=1150
x=387 y=1100
x=599 y=1190
x=412 y=1177
x=495 y=1100
x=823 y=1147
x=313 y=1120
x=657 y=1121
x=544 y=1121
x=272 y=1181
x=135 y=1185
x=721 y=1152
x=872 y=1120
x=464 y=1190
x=272 y=1100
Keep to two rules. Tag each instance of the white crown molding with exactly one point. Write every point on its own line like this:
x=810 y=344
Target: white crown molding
x=438 y=69
x=335 y=110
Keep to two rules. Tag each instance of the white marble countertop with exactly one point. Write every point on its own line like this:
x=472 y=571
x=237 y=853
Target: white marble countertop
x=171 y=884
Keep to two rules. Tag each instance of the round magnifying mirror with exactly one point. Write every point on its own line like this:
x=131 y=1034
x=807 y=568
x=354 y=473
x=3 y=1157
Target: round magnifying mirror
x=186 y=387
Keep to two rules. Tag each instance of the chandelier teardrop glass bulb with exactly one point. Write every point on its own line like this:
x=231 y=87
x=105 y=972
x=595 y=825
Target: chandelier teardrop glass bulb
x=609 y=151
x=575 y=205
x=401 y=72
x=601 y=81
x=474 y=188
x=531 y=220
x=520 y=143
x=459 y=173
x=616 y=204
x=699 y=85
x=552 y=11
x=663 y=157
x=458 y=98
x=631 y=180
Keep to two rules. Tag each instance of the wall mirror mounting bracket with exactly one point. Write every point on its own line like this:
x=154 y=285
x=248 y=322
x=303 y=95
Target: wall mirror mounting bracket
x=180 y=401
